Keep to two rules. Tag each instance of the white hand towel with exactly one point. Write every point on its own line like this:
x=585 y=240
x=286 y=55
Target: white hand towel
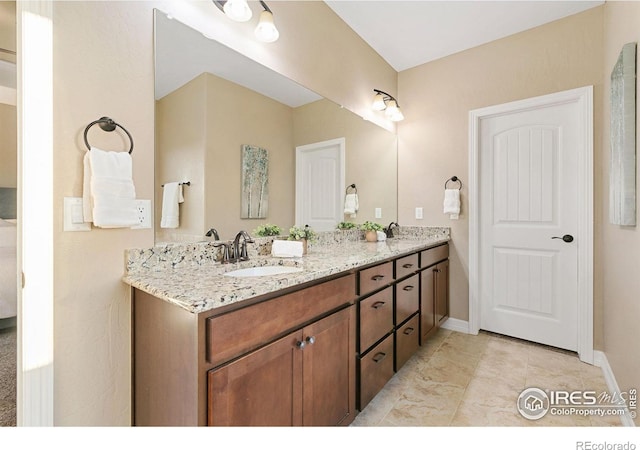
x=171 y=198
x=452 y=201
x=287 y=249
x=108 y=191
x=351 y=204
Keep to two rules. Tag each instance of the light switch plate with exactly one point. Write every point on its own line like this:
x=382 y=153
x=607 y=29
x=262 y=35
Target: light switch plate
x=418 y=213
x=378 y=213
x=73 y=219
x=144 y=214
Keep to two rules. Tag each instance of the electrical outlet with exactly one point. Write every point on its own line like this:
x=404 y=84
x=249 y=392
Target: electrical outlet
x=144 y=214
x=418 y=213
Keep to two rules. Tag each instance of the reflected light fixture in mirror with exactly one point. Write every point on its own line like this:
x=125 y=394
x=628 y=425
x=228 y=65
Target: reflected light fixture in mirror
x=385 y=102
x=240 y=11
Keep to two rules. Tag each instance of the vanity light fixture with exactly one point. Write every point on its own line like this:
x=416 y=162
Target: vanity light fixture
x=385 y=102
x=240 y=11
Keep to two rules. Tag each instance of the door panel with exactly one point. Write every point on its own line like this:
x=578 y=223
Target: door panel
x=528 y=195
x=320 y=184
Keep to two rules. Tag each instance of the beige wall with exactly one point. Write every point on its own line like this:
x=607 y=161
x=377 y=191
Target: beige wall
x=621 y=245
x=436 y=100
x=8 y=146
x=180 y=153
x=8 y=29
x=91 y=79
x=238 y=116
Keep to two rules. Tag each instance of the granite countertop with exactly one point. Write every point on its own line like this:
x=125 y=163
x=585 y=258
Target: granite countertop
x=202 y=287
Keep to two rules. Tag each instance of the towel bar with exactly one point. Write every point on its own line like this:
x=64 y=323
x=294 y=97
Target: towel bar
x=187 y=183
x=107 y=124
x=454 y=179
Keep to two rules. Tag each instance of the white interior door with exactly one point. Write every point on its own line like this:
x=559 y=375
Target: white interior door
x=528 y=198
x=320 y=184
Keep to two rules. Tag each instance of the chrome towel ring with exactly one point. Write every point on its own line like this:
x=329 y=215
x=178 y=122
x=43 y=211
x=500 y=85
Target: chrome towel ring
x=107 y=124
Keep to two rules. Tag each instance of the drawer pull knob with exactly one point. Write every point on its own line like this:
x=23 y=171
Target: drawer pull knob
x=436 y=270
x=377 y=277
x=408 y=331
x=407 y=266
x=311 y=340
x=408 y=288
x=301 y=344
x=377 y=305
x=379 y=357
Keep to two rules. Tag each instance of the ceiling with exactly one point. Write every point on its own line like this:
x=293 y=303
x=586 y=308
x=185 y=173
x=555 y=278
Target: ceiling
x=404 y=33
x=409 y=33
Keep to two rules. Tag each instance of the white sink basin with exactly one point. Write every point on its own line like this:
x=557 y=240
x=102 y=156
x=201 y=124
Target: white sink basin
x=262 y=271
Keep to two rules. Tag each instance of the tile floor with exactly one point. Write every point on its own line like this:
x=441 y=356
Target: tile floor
x=458 y=379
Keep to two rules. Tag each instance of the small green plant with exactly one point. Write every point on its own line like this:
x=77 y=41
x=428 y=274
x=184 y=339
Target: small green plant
x=371 y=226
x=346 y=226
x=296 y=233
x=267 y=230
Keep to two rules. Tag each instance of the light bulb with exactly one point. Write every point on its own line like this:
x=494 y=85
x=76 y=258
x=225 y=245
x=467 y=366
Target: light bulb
x=378 y=103
x=237 y=10
x=393 y=112
x=266 y=31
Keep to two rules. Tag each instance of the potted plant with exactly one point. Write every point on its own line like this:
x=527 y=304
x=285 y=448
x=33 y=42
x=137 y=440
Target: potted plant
x=304 y=234
x=267 y=230
x=371 y=230
x=346 y=226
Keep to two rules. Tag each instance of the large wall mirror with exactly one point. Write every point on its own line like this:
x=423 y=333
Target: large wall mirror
x=211 y=101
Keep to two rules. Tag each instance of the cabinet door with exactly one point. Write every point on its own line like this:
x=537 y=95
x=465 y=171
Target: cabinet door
x=329 y=370
x=442 y=291
x=427 y=302
x=263 y=388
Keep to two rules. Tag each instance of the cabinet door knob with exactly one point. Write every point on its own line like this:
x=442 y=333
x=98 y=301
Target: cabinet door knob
x=377 y=277
x=408 y=288
x=311 y=340
x=436 y=270
x=377 y=305
x=379 y=357
x=408 y=331
x=301 y=344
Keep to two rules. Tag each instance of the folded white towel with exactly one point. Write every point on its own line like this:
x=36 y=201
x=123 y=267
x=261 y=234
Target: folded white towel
x=452 y=201
x=108 y=191
x=351 y=204
x=287 y=249
x=171 y=199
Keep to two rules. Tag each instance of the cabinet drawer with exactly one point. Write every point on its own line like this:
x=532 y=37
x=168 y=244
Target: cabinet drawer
x=407 y=298
x=376 y=317
x=406 y=266
x=407 y=341
x=375 y=277
x=434 y=255
x=376 y=368
x=238 y=332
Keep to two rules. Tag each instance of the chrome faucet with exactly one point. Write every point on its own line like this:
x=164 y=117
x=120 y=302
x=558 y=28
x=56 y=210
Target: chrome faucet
x=240 y=251
x=389 y=231
x=213 y=232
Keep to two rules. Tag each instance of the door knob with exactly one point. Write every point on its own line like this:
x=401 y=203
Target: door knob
x=567 y=238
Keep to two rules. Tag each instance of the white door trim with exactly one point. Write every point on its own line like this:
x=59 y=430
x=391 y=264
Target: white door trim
x=584 y=97
x=341 y=142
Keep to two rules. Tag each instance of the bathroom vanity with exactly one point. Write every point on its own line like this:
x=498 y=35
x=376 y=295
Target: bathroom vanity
x=311 y=347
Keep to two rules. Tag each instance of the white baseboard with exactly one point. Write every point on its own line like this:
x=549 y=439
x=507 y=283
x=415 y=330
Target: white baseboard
x=600 y=360
x=452 y=324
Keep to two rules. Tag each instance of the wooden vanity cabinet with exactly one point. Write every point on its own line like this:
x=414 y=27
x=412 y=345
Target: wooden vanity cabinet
x=301 y=379
x=282 y=360
x=434 y=289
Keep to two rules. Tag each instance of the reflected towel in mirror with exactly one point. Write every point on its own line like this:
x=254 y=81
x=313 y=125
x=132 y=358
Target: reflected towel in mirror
x=171 y=199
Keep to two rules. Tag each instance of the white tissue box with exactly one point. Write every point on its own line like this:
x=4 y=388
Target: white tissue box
x=287 y=249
